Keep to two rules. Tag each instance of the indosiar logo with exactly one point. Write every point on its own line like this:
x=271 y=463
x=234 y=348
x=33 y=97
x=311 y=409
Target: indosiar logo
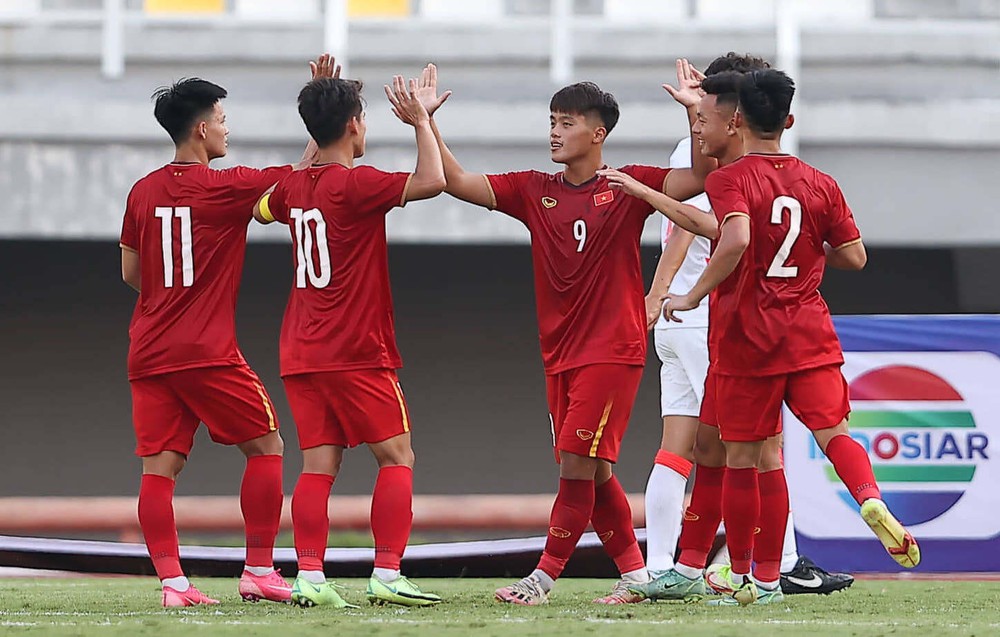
x=921 y=437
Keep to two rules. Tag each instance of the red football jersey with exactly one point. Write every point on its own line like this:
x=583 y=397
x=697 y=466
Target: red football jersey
x=768 y=316
x=589 y=292
x=339 y=314
x=188 y=222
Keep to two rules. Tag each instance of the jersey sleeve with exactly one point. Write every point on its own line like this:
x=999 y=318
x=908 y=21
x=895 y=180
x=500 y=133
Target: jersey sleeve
x=248 y=184
x=376 y=192
x=842 y=229
x=276 y=203
x=130 y=231
x=655 y=178
x=726 y=197
x=508 y=193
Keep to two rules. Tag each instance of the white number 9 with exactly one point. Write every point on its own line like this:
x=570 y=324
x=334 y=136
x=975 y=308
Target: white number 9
x=580 y=233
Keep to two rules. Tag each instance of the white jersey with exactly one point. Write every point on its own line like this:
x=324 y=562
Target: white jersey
x=697 y=255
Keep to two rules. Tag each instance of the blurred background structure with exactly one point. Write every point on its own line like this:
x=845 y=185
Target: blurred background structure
x=898 y=99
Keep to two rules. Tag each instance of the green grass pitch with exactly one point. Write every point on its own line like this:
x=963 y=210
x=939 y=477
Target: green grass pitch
x=130 y=606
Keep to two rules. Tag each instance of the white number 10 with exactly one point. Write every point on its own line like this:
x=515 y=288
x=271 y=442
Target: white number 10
x=166 y=217
x=580 y=233
x=305 y=238
x=778 y=268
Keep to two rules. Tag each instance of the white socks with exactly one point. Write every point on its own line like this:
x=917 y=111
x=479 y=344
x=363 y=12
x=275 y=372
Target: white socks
x=638 y=576
x=664 y=512
x=544 y=580
x=387 y=575
x=259 y=571
x=689 y=572
x=313 y=577
x=789 y=552
x=179 y=584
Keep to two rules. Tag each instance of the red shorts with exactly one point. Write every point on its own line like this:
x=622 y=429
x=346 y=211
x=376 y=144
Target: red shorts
x=347 y=408
x=589 y=408
x=708 y=415
x=167 y=408
x=749 y=408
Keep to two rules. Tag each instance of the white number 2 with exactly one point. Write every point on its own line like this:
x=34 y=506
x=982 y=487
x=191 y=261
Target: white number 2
x=778 y=268
x=304 y=240
x=580 y=233
x=166 y=217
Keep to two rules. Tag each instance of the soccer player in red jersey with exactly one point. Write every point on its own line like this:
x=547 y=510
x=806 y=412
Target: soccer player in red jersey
x=781 y=222
x=338 y=343
x=589 y=296
x=183 y=240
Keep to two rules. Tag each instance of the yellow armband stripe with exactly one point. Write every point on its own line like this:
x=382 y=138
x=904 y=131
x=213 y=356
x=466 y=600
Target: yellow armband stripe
x=265 y=210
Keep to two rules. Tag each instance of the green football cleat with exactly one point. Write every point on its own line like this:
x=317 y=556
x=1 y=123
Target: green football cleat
x=306 y=594
x=400 y=591
x=671 y=586
x=749 y=593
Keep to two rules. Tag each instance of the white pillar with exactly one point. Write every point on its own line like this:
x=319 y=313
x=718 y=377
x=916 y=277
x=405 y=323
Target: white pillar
x=789 y=59
x=561 y=53
x=335 y=32
x=113 y=40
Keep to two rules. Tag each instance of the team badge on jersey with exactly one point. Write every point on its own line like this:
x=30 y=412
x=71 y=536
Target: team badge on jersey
x=549 y=202
x=603 y=198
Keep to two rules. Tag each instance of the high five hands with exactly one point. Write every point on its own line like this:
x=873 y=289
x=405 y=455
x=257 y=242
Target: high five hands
x=324 y=66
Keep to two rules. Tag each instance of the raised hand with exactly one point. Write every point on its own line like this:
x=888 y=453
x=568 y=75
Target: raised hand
x=688 y=92
x=427 y=90
x=405 y=104
x=678 y=303
x=324 y=66
x=620 y=181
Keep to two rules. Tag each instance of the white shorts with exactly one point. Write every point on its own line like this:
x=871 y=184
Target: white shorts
x=683 y=353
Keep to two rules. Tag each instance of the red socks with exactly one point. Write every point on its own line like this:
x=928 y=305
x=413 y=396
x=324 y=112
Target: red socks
x=392 y=514
x=260 y=501
x=612 y=520
x=853 y=466
x=702 y=518
x=571 y=513
x=741 y=510
x=773 y=518
x=156 y=517
x=311 y=519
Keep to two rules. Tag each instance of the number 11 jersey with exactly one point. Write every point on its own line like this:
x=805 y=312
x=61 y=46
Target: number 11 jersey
x=188 y=222
x=339 y=315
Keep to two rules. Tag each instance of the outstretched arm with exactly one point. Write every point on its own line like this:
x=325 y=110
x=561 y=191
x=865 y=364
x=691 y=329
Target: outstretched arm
x=684 y=215
x=666 y=267
x=732 y=244
x=685 y=183
x=428 y=177
x=471 y=187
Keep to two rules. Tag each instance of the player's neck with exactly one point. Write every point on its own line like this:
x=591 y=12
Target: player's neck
x=342 y=154
x=733 y=152
x=753 y=144
x=582 y=170
x=188 y=154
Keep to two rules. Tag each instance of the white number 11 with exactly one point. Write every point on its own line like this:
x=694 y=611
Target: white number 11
x=166 y=216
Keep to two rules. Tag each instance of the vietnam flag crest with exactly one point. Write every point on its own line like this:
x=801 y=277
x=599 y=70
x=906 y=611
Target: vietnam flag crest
x=604 y=198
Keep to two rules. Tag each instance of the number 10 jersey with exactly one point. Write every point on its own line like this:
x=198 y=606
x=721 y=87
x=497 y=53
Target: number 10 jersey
x=339 y=315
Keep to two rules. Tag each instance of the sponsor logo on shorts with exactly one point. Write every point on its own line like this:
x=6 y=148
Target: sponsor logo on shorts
x=689 y=516
x=558 y=532
x=607 y=535
x=756 y=530
x=584 y=434
x=549 y=202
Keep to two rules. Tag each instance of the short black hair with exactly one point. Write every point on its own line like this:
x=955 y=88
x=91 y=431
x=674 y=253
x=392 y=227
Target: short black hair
x=586 y=98
x=739 y=62
x=766 y=100
x=725 y=86
x=326 y=105
x=180 y=106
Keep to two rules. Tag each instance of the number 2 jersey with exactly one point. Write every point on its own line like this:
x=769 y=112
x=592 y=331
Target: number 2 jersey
x=589 y=293
x=188 y=222
x=339 y=315
x=768 y=316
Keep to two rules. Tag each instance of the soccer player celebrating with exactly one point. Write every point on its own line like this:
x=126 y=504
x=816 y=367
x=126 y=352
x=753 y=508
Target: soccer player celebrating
x=777 y=342
x=183 y=240
x=589 y=296
x=338 y=344
x=683 y=352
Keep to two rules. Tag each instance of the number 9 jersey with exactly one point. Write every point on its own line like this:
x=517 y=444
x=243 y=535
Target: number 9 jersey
x=768 y=316
x=339 y=315
x=188 y=222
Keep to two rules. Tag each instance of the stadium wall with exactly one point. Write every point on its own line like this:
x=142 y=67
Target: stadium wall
x=466 y=328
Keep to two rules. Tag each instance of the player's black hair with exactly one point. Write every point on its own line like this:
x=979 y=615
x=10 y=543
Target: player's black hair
x=586 y=98
x=766 y=100
x=725 y=86
x=327 y=104
x=741 y=63
x=179 y=107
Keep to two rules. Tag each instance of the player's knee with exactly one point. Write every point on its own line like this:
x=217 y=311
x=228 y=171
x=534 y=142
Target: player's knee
x=267 y=445
x=575 y=467
x=168 y=464
x=394 y=452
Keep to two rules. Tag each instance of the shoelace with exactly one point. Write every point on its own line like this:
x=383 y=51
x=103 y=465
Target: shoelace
x=527 y=588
